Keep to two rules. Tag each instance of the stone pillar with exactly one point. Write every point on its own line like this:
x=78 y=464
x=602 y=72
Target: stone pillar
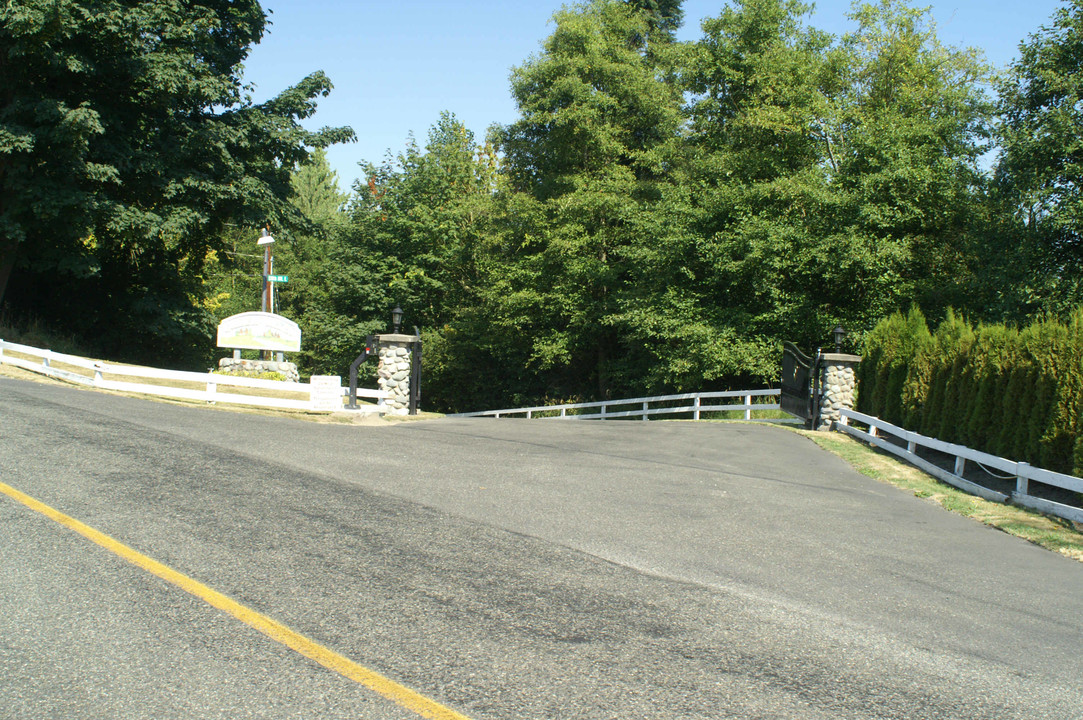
x=838 y=386
x=396 y=362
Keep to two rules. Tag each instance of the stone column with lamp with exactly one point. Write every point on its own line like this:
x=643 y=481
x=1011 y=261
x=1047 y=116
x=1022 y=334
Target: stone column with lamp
x=838 y=383
x=396 y=370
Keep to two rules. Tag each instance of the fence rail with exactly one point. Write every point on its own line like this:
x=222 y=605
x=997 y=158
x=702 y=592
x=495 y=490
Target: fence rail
x=96 y=372
x=880 y=434
x=692 y=403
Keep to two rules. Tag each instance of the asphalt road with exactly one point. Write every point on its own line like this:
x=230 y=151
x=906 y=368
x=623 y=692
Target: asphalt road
x=506 y=569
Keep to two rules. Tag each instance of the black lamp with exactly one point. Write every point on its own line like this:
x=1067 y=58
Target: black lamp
x=396 y=320
x=840 y=333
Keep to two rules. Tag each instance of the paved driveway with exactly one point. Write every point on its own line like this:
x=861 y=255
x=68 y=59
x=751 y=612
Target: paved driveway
x=512 y=569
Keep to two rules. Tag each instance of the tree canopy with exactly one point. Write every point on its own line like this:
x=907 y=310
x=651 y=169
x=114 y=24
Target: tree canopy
x=127 y=146
x=661 y=215
x=1040 y=173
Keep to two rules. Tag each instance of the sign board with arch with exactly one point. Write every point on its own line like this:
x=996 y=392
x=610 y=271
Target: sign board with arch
x=259 y=331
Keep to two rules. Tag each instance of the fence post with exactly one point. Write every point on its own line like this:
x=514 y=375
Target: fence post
x=45 y=359
x=603 y=411
x=97 y=373
x=1 y=351
x=960 y=465
x=695 y=404
x=1022 y=482
x=529 y=414
x=645 y=403
x=212 y=389
x=748 y=409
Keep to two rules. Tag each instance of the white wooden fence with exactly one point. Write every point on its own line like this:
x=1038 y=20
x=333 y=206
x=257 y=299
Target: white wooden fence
x=643 y=408
x=201 y=386
x=905 y=445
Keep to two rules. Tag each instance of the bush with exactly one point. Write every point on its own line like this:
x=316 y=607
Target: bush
x=937 y=367
x=264 y=375
x=890 y=352
x=1015 y=393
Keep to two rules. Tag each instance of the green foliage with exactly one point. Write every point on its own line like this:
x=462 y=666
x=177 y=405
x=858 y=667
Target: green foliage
x=1016 y=393
x=660 y=217
x=661 y=15
x=835 y=179
x=587 y=167
x=126 y=147
x=1039 y=176
x=258 y=375
x=932 y=392
x=892 y=348
x=315 y=190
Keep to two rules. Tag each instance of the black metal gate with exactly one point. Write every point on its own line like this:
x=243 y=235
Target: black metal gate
x=797 y=391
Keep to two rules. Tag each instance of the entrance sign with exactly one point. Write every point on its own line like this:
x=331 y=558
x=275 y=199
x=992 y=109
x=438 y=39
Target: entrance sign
x=259 y=331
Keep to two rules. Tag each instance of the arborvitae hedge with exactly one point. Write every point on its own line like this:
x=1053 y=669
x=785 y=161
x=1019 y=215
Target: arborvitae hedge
x=1010 y=392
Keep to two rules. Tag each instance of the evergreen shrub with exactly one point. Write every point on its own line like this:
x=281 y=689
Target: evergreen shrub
x=1017 y=393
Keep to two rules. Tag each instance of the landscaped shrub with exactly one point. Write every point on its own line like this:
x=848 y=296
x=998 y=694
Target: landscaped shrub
x=890 y=350
x=933 y=388
x=1015 y=393
x=991 y=358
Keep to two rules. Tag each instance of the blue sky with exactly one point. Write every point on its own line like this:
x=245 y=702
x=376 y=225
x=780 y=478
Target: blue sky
x=397 y=65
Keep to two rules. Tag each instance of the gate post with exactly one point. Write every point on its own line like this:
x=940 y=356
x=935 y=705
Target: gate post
x=838 y=382
x=399 y=372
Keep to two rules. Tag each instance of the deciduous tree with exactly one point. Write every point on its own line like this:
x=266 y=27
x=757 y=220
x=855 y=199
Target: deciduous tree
x=1040 y=171
x=126 y=146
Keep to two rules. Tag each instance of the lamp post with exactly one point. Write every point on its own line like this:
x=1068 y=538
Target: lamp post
x=396 y=320
x=266 y=240
x=267 y=305
x=840 y=334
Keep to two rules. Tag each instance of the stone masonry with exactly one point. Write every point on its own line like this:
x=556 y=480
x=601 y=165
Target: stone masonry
x=838 y=387
x=233 y=366
x=393 y=372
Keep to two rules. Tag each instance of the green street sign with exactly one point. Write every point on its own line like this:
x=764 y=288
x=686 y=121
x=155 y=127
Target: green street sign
x=278 y=278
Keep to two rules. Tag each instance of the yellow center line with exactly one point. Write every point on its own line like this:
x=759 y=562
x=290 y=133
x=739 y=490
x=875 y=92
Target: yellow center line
x=371 y=679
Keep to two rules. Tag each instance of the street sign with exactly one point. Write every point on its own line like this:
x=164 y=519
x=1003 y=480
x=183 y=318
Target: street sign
x=278 y=278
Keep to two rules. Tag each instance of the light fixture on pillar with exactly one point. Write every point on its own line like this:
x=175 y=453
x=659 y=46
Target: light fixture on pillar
x=396 y=320
x=840 y=334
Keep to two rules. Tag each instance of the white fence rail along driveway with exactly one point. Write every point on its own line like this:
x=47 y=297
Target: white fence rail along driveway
x=201 y=386
x=905 y=444
x=645 y=408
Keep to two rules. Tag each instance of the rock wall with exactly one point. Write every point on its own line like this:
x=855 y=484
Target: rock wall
x=229 y=366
